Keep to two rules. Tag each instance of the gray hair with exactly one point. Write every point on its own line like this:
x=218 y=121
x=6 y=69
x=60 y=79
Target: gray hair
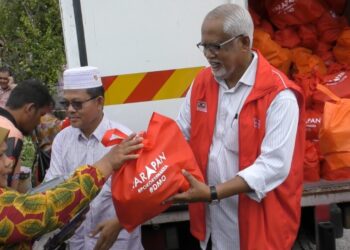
x=237 y=20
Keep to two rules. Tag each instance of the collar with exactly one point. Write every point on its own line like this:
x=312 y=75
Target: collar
x=5 y=113
x=248 y=78
x=98 y=132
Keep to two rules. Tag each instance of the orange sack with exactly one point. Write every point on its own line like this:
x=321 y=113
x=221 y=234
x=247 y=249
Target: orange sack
x=140 y=186
x=334 y=137
x=342 y=49
x=306 y=62
x=272 y=51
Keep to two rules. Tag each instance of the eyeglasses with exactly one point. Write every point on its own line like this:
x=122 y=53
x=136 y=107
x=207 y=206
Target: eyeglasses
x=215 y=47
x=77 y=105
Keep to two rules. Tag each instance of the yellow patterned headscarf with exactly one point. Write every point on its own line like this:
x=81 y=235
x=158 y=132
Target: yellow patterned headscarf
x=3 y=134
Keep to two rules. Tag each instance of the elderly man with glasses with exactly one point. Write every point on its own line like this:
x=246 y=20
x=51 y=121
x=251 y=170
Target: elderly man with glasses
x=244 y=121
x=80 y=144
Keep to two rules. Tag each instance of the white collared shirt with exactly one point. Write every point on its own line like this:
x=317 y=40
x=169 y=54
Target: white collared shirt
x=268 y=171
x=71 y=149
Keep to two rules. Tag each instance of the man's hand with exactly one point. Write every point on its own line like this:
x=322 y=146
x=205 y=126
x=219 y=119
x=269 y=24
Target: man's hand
x=109 y=231
x=197 y=192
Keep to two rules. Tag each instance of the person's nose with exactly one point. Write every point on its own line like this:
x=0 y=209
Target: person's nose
x=209 y=54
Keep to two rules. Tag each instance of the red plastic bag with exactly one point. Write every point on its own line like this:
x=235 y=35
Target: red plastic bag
x=313 y=123
x=334 y=137
x=285 y=13
x=311 y=162
x=338 y=83
x=329 y=26
x=308 y=35
x=287 y=38
x=140 y=186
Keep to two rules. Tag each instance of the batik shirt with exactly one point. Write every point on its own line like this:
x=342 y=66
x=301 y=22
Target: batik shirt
x=24 y=217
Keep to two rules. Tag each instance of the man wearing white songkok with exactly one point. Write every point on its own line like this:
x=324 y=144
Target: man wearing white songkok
x=80 y=144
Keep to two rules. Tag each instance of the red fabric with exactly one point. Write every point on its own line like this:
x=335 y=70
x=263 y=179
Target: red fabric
x=287 y=38
x=140 y=186
x=279 y=211
x=329 y=26
x=285 y=13
x=65 y=123
x=308 y=36
x=311 y=162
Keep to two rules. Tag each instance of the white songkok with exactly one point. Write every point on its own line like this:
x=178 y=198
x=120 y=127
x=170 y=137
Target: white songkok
x=82 y=78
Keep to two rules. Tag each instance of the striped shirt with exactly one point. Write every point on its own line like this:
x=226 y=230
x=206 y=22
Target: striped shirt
x=71 y=149
x=269 y=170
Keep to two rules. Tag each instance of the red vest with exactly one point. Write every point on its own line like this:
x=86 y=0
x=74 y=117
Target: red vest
x=273 y=223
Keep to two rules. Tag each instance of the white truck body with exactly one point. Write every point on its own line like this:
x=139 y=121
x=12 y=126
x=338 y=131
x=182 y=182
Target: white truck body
x=138 y=41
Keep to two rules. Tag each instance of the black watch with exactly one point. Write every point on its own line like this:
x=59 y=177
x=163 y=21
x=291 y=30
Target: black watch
x=213 y=195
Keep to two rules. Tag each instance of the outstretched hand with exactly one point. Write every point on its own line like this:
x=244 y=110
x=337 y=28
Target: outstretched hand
x=109 y=231
x=198 y=191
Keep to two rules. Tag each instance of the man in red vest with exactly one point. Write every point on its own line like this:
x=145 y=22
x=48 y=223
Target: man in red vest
x=244 y=120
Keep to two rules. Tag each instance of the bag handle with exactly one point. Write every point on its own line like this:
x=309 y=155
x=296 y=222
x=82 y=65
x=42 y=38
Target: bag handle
x=327 y=92
x=117 y=135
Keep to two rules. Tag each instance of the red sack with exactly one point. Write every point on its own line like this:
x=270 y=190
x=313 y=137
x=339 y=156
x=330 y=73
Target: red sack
x=308 y=36
x=285 y=13
x=338 y=83
x=311 y=162
x=337 y=5
x=140 y=186
x=329 y=26
x=287 y=38
x=313 y=124
x=334 y=137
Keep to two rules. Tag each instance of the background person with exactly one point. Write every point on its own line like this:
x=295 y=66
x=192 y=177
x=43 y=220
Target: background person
x=6 y=85
x=27 y=103
x=80 y=144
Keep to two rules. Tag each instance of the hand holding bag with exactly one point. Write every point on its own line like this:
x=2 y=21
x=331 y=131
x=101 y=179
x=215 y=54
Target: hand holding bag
x=141 y=185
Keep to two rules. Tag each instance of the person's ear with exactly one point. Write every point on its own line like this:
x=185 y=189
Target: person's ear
x=245 y=43
x=29 y=107
x=100 y=100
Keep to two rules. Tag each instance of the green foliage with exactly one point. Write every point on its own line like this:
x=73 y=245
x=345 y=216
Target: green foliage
x=28 y=152
x=31 y=33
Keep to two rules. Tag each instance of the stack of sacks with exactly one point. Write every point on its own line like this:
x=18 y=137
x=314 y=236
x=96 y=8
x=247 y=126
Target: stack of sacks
x=310 y=42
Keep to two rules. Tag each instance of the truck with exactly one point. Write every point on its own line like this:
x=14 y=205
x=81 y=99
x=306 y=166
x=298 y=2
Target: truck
x=146 y=53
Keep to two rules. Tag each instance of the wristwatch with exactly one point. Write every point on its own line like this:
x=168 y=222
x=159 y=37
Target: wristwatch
x=213 y=195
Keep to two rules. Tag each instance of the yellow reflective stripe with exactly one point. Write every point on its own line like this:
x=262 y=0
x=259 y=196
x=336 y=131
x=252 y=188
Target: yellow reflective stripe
x=177 y=84
x=122 y=87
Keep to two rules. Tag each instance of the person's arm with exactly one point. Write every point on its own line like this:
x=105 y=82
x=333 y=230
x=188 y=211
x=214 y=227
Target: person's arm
x=183 y=119
x=24 y=217
x=272 y=166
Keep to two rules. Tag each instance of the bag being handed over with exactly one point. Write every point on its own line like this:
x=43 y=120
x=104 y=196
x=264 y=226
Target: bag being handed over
x=140 y=186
